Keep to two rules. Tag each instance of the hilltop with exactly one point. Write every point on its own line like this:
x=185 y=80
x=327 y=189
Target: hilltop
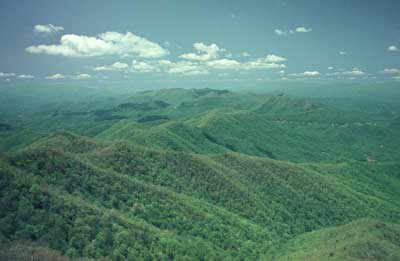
x=200 y=174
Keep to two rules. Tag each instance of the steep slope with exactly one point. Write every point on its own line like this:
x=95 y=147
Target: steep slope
x=33 y=251
x=197 y=174
x=174 y=135
x=89 y=198
x=283 y=107
x=64 y=188
x=364 y=239
x=12 y=138
x=250 y=133
x=277 y=127
x=211 y=121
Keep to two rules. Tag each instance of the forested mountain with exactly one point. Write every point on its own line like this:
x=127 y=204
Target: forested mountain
x=197 y=174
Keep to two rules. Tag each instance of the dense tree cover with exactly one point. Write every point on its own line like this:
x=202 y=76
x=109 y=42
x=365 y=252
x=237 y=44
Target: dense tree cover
x=15 y=138
x=216 y=175
x=93 y=199
x=365 y=239
x=77 y=227
x=28 y=250
x=213 y=121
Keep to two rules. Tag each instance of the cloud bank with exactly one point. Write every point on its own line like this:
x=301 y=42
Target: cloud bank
x=109 y=43
x=202 y=67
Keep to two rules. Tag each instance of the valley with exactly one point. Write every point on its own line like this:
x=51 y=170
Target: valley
x=201 y=174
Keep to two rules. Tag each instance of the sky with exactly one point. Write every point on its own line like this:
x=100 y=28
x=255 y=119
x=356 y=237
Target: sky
x=179 y=43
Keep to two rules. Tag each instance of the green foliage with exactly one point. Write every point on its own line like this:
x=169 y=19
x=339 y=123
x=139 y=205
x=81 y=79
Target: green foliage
x=229 y=176
x=228 y=205
x=364 y=239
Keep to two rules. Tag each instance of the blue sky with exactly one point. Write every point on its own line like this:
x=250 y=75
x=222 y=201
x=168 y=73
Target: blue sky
x=184 y=42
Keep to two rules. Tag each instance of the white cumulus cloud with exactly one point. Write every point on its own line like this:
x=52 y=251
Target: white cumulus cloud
x=185 y=67
x=117 y=66
x=391 y=71
x=355 y=72
x=311 y=73
x=261 y=64
x=224 y=64
x=272 y=58
x=25 y=76
x=307 y=73
x=196 y=72
x=82 y=76
x=143 y=67
x=206 y=65
x=300 y=29
x=47 y=28
x=21 y=76
x=169 y=67
x=280 y=32
x=56 y=76
x=351 y=74
x=303 y=29
x=393 y=48
x=109 y=43
x=6 y=75
x=204 y=52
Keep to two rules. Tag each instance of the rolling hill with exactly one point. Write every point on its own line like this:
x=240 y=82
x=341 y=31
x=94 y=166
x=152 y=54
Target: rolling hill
x=359 y=240
x=199 y=174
